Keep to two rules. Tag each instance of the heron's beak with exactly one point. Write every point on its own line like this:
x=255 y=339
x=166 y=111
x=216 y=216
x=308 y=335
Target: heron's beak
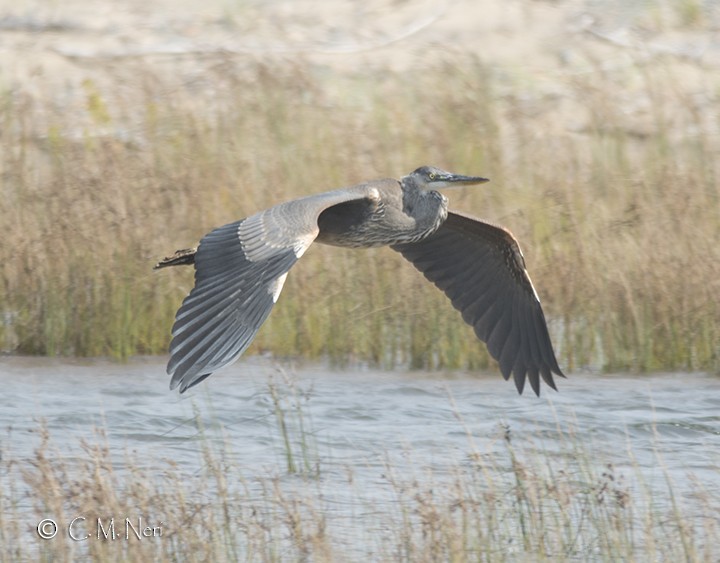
x=457 y=180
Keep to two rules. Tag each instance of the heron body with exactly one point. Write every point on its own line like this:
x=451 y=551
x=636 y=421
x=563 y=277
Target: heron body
x=240 y=270
x=388 y=212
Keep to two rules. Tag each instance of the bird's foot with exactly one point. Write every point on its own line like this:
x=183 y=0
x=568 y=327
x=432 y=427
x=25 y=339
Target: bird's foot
x=184 y=257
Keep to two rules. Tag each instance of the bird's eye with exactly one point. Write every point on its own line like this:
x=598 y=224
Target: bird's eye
x=432 y=175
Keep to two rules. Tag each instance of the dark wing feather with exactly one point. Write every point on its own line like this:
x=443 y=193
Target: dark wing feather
x=480 y=268
x=240 y=269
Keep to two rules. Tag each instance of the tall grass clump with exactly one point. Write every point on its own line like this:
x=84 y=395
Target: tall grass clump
x=295 y=428
x=619 y=224
x=518 y=501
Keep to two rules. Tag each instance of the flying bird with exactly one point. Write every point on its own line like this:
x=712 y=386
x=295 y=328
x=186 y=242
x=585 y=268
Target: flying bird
x=240 y=270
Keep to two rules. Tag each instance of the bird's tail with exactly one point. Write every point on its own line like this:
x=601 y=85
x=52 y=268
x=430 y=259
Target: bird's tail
x=184 y=257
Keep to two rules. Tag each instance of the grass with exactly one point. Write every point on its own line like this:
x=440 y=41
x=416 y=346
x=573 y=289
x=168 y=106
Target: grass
x=532 y=498
x=301 y=456
x=619 y=217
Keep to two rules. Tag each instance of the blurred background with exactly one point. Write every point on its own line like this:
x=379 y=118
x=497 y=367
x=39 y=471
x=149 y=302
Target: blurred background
x=129 y=130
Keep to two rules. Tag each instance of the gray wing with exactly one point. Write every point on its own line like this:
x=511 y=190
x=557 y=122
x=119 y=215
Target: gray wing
x=240 y=269
x=480 y=268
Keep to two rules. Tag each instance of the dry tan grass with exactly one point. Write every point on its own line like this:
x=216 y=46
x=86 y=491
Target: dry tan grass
x=619 y=220
x=526 y=503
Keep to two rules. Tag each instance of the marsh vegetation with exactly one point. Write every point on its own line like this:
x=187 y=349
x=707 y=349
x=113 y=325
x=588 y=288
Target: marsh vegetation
x=316 y=465
x=619 y=226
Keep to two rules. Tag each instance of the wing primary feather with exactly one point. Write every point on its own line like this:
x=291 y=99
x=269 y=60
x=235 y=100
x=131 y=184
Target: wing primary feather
x=536 y=360
x=500 y=333
x=506 y=358
x=186 y=352
x=519 y=365
x=187 y=384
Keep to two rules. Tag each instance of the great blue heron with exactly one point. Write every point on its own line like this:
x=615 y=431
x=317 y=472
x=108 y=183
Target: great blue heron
x=240 y=270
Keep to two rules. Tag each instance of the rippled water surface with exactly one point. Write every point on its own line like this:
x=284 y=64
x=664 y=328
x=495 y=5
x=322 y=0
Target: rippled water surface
x=363 y=421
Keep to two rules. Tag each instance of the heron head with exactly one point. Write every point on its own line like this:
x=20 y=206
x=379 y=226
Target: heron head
x=432 y=178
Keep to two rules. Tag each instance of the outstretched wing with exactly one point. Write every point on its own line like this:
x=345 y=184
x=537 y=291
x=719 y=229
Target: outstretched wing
x=240 y=269
x=480 y=268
